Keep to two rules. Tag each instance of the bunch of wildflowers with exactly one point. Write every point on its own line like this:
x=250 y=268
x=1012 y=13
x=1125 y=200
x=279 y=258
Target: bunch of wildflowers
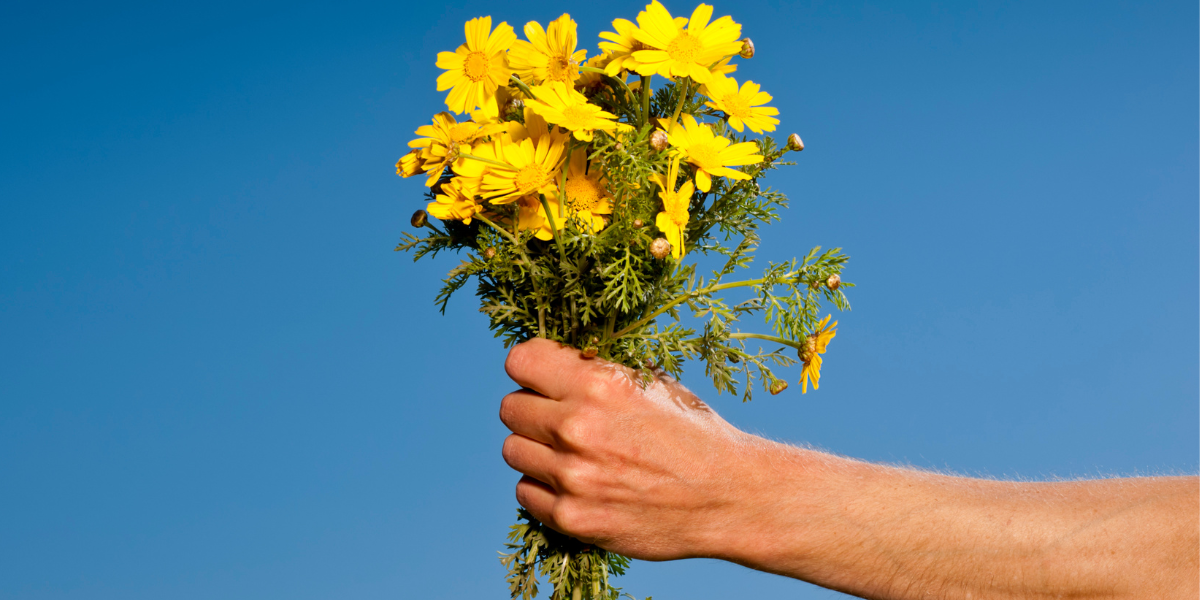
x=579 y=187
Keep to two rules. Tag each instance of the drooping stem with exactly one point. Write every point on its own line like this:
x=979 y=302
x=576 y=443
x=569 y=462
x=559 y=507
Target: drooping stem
x=645 y=85
x=676 y=301
x=683 y=96
x=502 y=231
x=524 y=88
x=562 y=254
x=769 y=338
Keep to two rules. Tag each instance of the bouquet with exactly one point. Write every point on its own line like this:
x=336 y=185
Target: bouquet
x=578 y=188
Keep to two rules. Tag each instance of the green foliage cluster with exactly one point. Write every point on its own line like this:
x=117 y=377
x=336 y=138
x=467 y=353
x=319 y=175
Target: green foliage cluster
x=606 y=293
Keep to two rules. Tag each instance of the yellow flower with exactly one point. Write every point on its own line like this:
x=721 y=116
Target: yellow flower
x=677 y=52
x=549 y=55
x=511 y=169
x=445 y=141
x=409 y=164
x=532 y=215
x=810 y=354
x=561 y=105
x=453 y=204
x=586 y=194
x=476 y=68
x=711 y=154
x=672 y=221
x=743 y=106
x=623 y=43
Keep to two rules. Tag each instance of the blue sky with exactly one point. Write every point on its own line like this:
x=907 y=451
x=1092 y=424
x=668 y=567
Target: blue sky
x=217 y=379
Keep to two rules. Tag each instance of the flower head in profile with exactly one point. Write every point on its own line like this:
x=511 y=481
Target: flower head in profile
x=586 y=195
x=476 y=68
x=678 y=52
x=711 y=154
x=561 y=105
x=550 y=53
x=409 y=164
x=453 y=203
x=531 y=215
x=444 y=142
x=743 y=106
x=513 y=167
x=810 y=354
x=673 y=219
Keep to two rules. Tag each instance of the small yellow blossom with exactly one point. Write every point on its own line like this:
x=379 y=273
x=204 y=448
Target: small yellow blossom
x=453 y=204
x=532 y=215
x=586 y=193
x=563 y=106
x=673 y=219
x=623 y=43
x=679 y=52
x=509 y=169
x=444 y=142
x=550 y=53
x=476 y=68
x=810 y=354
x=743 y=106
x=711 y=154
x=409 y=164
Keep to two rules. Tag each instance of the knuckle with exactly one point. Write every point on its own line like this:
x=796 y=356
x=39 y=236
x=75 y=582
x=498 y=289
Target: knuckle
x=574 y=432
x=594 y=387
x=566 y=516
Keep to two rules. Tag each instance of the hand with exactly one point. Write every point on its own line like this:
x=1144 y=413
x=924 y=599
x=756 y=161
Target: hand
x=649 y=472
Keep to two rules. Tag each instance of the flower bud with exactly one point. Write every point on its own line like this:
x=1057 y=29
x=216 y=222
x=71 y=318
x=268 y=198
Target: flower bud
x=834 y=281
x=660 y=248
x=620 y=147
x=419 y=219
x=637 y=224
x=513 y=105
x=808 y=348
x=658 y=140
x=747 y=52
x=489 y=253
x=589 y=352
x=795 y=144
x=816 y=285
x=778 y=386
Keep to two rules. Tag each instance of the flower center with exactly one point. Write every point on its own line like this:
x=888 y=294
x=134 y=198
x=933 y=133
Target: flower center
x=462 y=132
x=684 y=48
x=676 y=208
x=703 y=155
x=736 y=105
x=559 y=68
x=530 y=178
x=475 y=67
x=583 y=193
x=576 y=117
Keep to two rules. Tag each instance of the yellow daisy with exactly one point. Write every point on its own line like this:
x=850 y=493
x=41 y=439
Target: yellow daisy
x=586 y=194
x=673 y=219
x=409 y=164
x=810 y=354
x=711 y=154
x=744 y=106
x=550 y=53
x=676 y=52
x=623 y=43
x=445 y=140
x=512 y=169
x=561 y=105
x=476 y=68
x=453 y=204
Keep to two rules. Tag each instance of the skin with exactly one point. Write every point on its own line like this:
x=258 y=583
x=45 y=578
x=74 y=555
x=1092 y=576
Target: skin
x=655 y=474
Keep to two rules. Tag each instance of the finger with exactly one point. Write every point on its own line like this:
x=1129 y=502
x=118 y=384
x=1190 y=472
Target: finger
x=532 y=458
x=547 y=367
x=531 y=415
x=537 y=497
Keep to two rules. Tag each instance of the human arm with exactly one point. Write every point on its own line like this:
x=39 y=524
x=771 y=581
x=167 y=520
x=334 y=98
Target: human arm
x=653 y=473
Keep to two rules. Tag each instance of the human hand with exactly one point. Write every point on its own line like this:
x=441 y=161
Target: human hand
x=649 y=472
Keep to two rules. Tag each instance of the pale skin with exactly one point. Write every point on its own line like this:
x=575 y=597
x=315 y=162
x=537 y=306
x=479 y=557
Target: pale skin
x=655 y=474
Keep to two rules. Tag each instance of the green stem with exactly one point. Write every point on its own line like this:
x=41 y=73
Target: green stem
x=628 y=91
x=645 y=99
x=502 y=231
x=524 y=88
x=487 y=160
x=562 y=254
x=688 y=296
x=687 y=88
x=769 y=338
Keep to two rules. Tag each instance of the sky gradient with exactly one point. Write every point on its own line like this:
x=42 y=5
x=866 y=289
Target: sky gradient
x=218 y=380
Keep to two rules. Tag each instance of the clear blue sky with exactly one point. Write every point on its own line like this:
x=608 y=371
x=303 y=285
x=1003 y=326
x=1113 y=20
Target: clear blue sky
x=218 y=381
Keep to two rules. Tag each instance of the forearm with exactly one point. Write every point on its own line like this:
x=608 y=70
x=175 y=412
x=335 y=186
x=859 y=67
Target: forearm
x=883 y=532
